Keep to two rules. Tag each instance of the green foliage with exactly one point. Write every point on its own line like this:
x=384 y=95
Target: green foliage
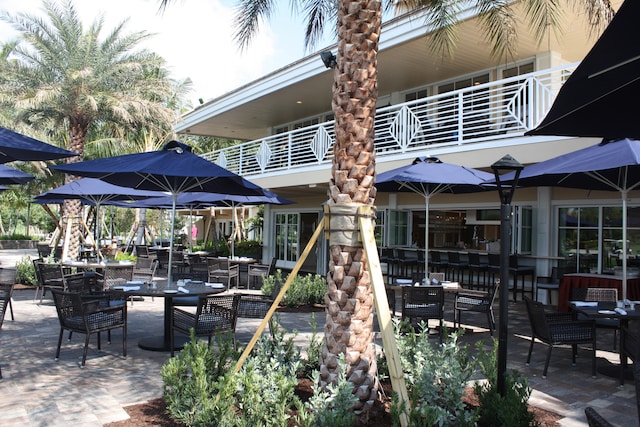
x=436 y=376
x=125 y=256
x=248 y=247
x=15 y=236
x=198 y=386
x=26 y=271
x=201 y=389
x=266 y=384
x=330 y=407
x=306 y=289
x=314 y=351
x=509 y=410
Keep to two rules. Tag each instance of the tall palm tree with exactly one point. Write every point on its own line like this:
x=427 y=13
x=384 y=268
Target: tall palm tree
x=62 y=74
x=358 y=25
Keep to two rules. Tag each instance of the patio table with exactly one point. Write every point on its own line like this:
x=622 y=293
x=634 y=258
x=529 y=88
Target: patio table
x=168 y=291
x=601 y=310
x=585 y=280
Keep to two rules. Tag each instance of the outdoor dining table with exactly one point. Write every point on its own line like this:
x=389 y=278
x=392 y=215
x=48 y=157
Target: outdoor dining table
x=586 y=280
x=168 y=291
x=600 y=310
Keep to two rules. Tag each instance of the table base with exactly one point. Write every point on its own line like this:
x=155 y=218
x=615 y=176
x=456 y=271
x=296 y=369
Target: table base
x=158 y=343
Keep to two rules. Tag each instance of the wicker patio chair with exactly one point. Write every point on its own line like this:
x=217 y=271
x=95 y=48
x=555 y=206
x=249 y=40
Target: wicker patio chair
x=116 y=276
x=7 y=281
x=215 y=314
x=221 y=269
x=422 y=303
x=630 y=349
x=5 y=299
x=260 y=271
x=88 y=317
x=594 y=419
x=554 y=329
x=476 y=302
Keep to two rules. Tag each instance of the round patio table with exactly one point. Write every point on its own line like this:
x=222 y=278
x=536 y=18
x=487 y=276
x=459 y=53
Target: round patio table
x=168 y=291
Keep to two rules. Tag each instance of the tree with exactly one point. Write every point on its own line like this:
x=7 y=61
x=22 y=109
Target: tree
x=63 y=75
x=358 y=24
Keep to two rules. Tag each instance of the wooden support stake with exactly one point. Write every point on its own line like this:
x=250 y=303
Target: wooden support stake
x=277 y=300
x=382 y=309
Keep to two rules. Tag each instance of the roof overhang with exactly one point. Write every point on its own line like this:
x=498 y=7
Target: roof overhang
x=303 y=88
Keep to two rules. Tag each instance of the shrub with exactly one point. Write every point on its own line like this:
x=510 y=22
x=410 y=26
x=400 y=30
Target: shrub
x=512 y=409
x=436 y=377
x=330 y=407
x=201 y=389
x=26 y=271
x=304 y=289
x=16 y=236
x=198 y=386
x=124 y=256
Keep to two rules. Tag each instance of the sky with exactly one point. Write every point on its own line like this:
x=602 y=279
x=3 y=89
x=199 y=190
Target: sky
x=194 y=37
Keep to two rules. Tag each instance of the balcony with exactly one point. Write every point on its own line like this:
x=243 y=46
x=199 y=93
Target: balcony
x=489 y=112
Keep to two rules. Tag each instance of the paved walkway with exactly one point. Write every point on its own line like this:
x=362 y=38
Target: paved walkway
x=38 y=391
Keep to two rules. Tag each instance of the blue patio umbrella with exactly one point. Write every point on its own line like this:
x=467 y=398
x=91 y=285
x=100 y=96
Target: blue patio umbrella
x=429 y=176
x=195 y=200
x=16 y=146
x=173 y=169
x=607 y=166
x=94 y=192
x=10 y=176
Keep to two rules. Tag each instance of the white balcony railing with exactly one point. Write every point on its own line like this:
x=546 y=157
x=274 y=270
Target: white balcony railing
x=491 y=111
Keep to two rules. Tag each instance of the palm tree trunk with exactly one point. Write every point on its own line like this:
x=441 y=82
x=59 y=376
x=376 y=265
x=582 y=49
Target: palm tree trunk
x=72 y=209
x=349 y=299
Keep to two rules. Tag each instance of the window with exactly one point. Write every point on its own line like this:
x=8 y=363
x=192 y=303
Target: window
x=398 y=228
x=523 y=232
x=418 y=94
x=378 y=230
x=286 y=229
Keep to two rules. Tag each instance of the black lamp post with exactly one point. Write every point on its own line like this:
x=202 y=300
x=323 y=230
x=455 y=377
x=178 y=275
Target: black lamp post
x=505 y=191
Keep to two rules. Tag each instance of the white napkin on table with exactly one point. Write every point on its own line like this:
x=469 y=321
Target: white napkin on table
x=621 y=311
x=586 y=303
x=183 y=290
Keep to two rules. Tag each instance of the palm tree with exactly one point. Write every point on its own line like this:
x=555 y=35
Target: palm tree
x=62 y=74
x=358 y=24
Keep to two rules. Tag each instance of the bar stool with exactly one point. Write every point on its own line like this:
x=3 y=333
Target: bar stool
x=437 y=263
x=493 y=267
x=522 y=271
x=408 y=261
x=457 y=265
x=478 y=266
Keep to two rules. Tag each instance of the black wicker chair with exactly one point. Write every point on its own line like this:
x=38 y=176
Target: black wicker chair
x=555 y=329
x=215 y=314
x=477 y=302
x=422 y=303
x=88 y=316
x=594 y=419
x=5 y=299
x=259 y=271
x=7 y=280
x=630 y=349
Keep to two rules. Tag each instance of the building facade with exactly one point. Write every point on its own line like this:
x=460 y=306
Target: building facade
x=467 y=110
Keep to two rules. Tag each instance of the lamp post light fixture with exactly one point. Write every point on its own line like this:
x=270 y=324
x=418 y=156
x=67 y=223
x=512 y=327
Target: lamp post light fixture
x=505 y=191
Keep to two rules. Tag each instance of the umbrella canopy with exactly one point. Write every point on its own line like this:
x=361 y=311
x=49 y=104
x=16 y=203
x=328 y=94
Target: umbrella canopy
x=10 y=176
x=174 y=169
x=608 y=166
x=430 y=176
x=95 y=192
x=195 y=200
x=597 y=99
x=204 y=200
x=16 y=146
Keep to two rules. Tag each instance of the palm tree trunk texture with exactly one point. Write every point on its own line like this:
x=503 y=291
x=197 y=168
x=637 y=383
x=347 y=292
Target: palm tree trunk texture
x=349 y=298
x=73 y=208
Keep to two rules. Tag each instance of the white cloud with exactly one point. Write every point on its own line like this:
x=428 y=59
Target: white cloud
x=194 y=37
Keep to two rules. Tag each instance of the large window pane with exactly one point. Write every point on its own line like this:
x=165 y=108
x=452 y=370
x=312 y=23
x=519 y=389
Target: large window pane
x=398 y=228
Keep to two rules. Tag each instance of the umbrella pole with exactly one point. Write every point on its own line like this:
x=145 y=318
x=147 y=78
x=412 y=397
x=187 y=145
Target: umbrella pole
x=624 y=244
x=174 y=197
x=426 y=237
